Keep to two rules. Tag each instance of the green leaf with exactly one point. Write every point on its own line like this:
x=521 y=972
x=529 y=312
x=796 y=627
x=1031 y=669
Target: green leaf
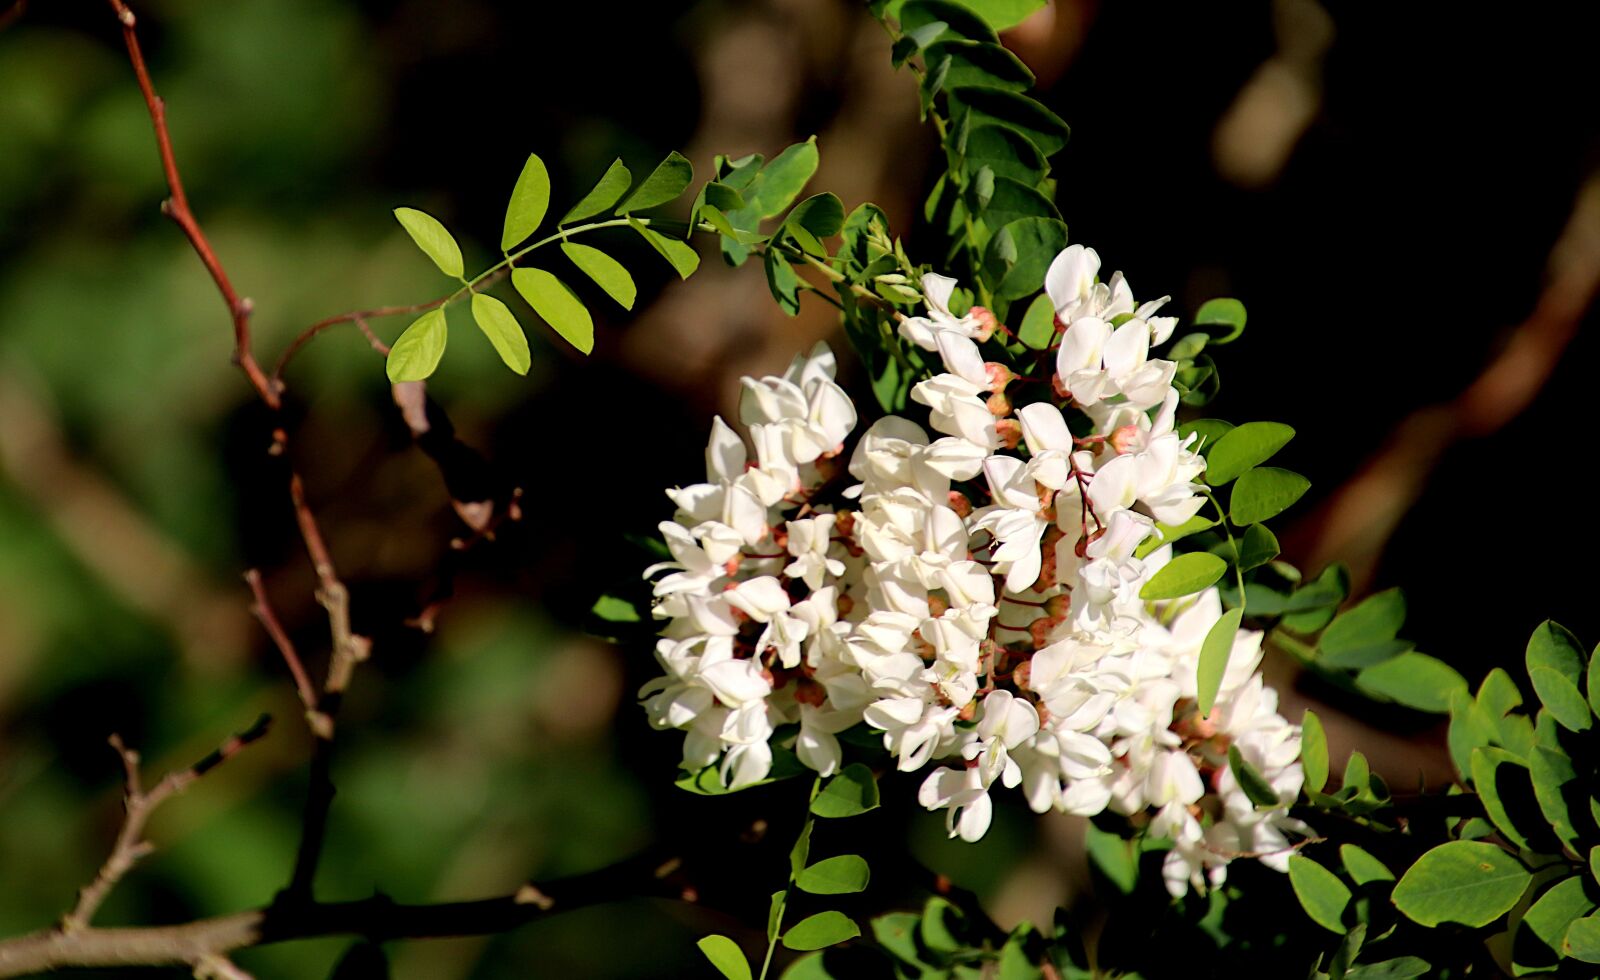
x=1255 y=786
x=940 y=922
x=979 y=63
x=1594 y=863
x=1553 y=645
x=500 y=325
x=780 y=182
x=557 y=305
x=974 y=105
x=1240 y=449
x=1258 y=547
x=1364 y=869
x=1399 y=968
x=1007 y=153
x=1019 y=253
x=1167 y=533
x=800 y=853
x=606 y=272
x=416 y=354
x=1415 y=680
x=1551 y=771
x=1214 y=653
x=960 y=19
x=817 y=931
x=897 y=933
x=670 y=178
x=431 y=236
x=840 y=875
x=1321 y=893
x=1492 y=769
x=1466 y=882
x=1039 y=323
x=1264 y=493
x=775 y=909
x=821 y=214
x=615 y=610
x=1582 y=941
x=530 y=198
x=1561 y=698
x=1184 y=575
x=726 y=956
x=1226 y=315
x=683 y=258
x=610 y=188
x=1537 y=944
x=782 y=281
x=1114 y=857
x=1374 y=620
x=1004 y=14
x=851 y=792
x=1313 y=752
x=1011 y=200
x=1210 y=431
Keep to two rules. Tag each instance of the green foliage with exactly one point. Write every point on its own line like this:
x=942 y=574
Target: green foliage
x=1244 y=447
x=1313 y=752
x=415 y=355
x=606 y=192
x=557 y=304
x=1184 y=575
x=434 y=240
x=726 y=956
x=1264 y=493
x=670 y=178
x=819 y=930
x=1466 y=882
x=530 y=198
x=852 y=791
x=500 y=325
x=839 y=875
x=605 y=271
x=1321 y=893
x=1214 y=653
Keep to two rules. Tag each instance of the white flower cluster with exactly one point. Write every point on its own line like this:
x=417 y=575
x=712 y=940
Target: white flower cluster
x=1006 y=636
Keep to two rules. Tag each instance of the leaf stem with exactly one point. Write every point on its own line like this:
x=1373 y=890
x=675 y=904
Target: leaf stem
x=775 y=928
x=511 y=257
x=1222 y=522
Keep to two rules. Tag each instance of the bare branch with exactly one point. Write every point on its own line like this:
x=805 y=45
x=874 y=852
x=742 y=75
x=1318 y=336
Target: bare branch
x=176 y=207
x=206 y=941
x=321 y=725
x=138 y=804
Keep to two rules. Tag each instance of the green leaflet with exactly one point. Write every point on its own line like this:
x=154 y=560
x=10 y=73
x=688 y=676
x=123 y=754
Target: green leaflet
x=557 y=305
x=416 y=354
x=436 y=242
x=530 y=198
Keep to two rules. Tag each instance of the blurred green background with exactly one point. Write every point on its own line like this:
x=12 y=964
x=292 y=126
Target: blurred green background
x=1339 y=171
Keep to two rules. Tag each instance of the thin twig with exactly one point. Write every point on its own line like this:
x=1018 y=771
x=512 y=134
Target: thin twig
x=321 y=726
x=177 y=208
x=138 y=804
x=376 y=919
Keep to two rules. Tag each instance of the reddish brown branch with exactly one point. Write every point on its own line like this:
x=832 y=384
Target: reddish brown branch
x=138 y=804
x=320 y=724
x=177 y=208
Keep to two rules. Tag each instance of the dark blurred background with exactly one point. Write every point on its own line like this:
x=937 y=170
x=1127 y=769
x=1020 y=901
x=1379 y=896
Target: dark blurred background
x=1405 y=197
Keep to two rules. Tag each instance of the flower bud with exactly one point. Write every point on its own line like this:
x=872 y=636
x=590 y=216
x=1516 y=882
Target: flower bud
x=999 y=404
x=960 y=504
x=1058 y=607
x=1124 y=439
x=988 y=323
x=1010 y=432
x=1040 y=630
x=937 y=606
x=999 y=375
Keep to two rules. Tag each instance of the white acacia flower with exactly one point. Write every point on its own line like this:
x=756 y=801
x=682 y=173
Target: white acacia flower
x=809 y=541
x=965 y=795
x=924 y=331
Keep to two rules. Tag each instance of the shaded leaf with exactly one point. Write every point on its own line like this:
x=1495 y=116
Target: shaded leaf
x=1415 y=680
x=1264 y=493
x=682 y=258
x=726 y=956
x=606 y=192
x=820 y=930
x=1466 y=882
x=557 y=305
x=1323 y=896
x=668 y=180
x=1313 y=752
x=1248 y=445
x=1214 y=653
x=850 y=792
x=840 y=875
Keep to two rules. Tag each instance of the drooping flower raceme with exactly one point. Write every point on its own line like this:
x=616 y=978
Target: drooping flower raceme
x=971 y=594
